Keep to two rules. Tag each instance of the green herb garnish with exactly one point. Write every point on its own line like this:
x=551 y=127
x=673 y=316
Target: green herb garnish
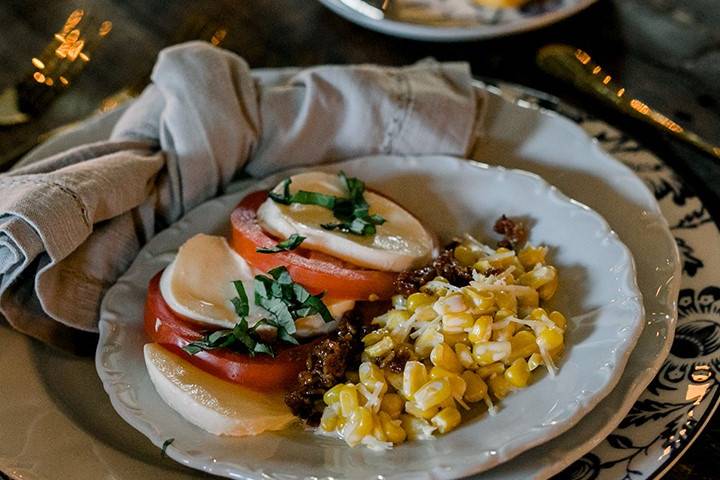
x=285 y=301
x=351 y=211
x=290 y=243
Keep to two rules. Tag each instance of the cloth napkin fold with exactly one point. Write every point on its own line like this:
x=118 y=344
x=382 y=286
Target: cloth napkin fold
x=72 y=223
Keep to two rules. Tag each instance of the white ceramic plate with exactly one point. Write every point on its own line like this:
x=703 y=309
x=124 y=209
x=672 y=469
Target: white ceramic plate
x=597 y=292
x=53 y=408
x=485 y=23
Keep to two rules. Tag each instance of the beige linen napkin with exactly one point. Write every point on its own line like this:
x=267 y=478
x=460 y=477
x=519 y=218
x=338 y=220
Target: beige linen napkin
x=72 y=223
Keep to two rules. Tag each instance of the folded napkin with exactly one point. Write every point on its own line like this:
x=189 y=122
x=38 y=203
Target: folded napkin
x=72 y=223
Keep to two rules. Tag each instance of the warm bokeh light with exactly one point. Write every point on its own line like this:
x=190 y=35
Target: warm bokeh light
x=105 y=28
x=38 y=63
x=39 y=77
x=218 y=36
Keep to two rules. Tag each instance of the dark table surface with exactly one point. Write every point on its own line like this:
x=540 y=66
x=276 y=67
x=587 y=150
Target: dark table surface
x=667 y=52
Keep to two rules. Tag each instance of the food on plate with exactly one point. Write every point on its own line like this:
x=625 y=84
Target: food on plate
x=500 y=3
x=336 y=300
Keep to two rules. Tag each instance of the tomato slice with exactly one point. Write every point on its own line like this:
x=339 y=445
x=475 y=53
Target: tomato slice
x=315 y=271
x=261 y=372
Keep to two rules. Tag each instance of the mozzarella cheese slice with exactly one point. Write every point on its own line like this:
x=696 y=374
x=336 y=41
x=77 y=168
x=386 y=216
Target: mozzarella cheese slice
x=198 y=285
x=213 y=404
x=398 y=244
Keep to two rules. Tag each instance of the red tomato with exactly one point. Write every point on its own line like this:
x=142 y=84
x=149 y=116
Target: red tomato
x=260 y=372
x=315 y=271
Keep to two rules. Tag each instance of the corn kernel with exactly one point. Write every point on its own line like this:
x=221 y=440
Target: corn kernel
x=333 y=395
x=414 y=377
x=518 y=373
x=394 y=379
x=547 y=291
x=392 y=404
x=559 y=320
x=531 y=256
x=504 y=334
x=417 y=428
x=359 y=423
x=447 y=419
x=506 y=301
x=443 y=356
x=523 y=345
x=481 y=329
x=482 y=266
x=328 y=421
x=374 y=337
x=417 y=299
x=490 y=370
x=399 y=302
x=457 y=322
x=499 y=386
x=392 y=428
x=432 y=393
x=535 y=361
x=381 y=348
x=464 y=255
x=476 y=388
x=464 y=355
x=538 y=314
x=457 y=384
x=430 y=337
x=486 y=353
x=413 y=409
x=453 y=303
x=370 y=375
x=483 y=302
x=549 y=339
x=397 y=318
x=454 y=338
x=348 y=400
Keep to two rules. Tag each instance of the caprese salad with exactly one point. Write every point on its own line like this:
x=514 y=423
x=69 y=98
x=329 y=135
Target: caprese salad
x=333 y=304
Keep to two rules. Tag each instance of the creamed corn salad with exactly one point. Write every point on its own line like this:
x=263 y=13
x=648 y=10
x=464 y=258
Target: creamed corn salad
x=467 y=345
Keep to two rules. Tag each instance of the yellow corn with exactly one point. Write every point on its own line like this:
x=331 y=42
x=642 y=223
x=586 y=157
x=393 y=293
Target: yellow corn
x=483 y=302
x=417 y=299
x=399 y=301
x=392 y=404
x=464 y=355
x=559 y=320
x=416 y=428
x=506 y=301
x=413 y=409
x=381 y=348
x=453 y=339
x=359 y=423
x=482 y=266
x=464 y=255
x=394 y=379
x=534 y=361
x=396 y=317
x=486 y=353
x=371 y=375
x=476 y=388
x=378 y=431
x=374 y=337
x=457 y=322
x=523 y=344
x=392 y=428
x=538 y=314
x=518 y=373
x=329 y=420
x=433 y=393
x=490 y=370
x=443 y=356
x=447 y=419
x=538 y=276
x=504 y=334
x=414 y=377
x=547 y=291
x=531 y=256
x=333 y=395
x=549 y=339
x=430 y=337
x=348 y=400
x=481 y=329
x=453 y=303
x=499 y=386
x=503 y=258
x=457 y=384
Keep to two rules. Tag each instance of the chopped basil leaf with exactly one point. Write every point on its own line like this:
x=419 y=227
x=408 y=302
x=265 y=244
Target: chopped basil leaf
x=353 y=211
x=242 y=307
x=291 y=243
